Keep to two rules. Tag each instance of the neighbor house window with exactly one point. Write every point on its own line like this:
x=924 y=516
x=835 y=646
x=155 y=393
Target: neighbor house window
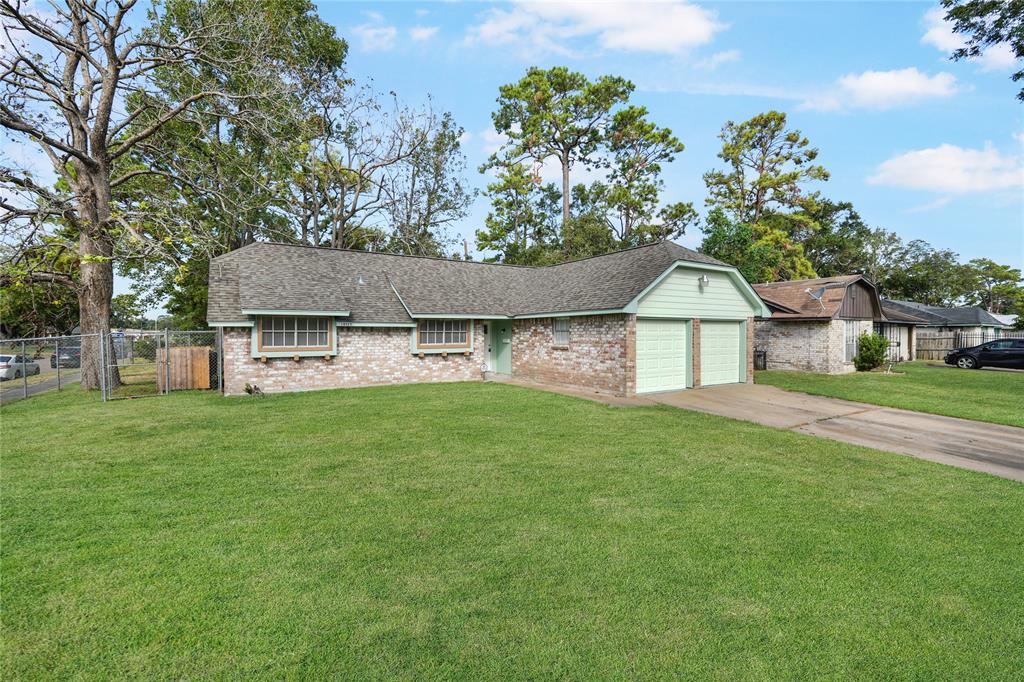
x=560 y=331
x=295 y=333
x=852 y=337
x=443 y=333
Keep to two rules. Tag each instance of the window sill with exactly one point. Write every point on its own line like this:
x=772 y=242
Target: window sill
x=450 y=351
x=566 y=347
x=256 y=355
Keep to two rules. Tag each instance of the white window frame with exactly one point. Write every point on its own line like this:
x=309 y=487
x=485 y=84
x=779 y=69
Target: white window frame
x=852 y=339
x=285 y=332
x=444 y=333
x=560 y=337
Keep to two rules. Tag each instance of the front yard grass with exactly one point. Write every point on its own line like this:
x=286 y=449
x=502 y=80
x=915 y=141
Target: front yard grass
x=983 y=395
x=486 y=531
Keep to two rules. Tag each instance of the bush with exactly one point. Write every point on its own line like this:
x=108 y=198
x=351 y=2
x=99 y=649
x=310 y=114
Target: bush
x=870 y=352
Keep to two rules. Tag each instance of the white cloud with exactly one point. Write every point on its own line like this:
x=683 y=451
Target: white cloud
x=492 y=140
x=930 y=206
x=671 y=26
x=717 y=59
x=951 y=169
x=423 y=33
x=375 y=38
x=883 y=90
x=939 y=34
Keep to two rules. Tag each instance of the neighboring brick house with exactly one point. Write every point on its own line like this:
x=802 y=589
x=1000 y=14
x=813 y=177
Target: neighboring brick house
x=652 y=318
x=815 y=324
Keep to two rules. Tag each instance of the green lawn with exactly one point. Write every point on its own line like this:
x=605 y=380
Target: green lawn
x=984 y=395
x=484 y=531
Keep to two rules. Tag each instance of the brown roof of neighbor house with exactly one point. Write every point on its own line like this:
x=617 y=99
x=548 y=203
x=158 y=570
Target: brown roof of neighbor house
x=387 y=288
x=792 y=300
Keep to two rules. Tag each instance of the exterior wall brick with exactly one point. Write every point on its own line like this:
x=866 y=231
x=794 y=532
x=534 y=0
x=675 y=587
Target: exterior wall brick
x=601 y=353
x=695 y=346
x=367 y=356
x=806 y=346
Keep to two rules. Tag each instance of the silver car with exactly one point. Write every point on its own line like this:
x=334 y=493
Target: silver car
x=17 y=366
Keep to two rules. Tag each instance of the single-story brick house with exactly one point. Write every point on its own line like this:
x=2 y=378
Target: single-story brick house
x=653 y=318
x=815 y=324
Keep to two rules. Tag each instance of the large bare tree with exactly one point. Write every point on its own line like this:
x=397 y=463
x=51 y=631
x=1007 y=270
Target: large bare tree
x=77 y=79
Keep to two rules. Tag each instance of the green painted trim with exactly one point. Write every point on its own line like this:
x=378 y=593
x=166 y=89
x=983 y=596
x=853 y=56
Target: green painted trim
x=256 y=353
x=689 y=360
x=416 y=350
x=447 y=316
x=297 y=313
x=388 y=325
x=571 y=313
x=240 y=323
x=743 y=351
x=734 y=274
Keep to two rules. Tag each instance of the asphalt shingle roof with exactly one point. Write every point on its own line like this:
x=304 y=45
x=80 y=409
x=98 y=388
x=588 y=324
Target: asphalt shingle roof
x=793 y=302
x=379 y=287
x=935 y=315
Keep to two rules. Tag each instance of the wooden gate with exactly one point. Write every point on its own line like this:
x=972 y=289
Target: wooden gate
x=189 y=368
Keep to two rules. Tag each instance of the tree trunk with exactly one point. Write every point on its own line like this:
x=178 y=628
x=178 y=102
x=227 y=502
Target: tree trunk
x=95 y=292
x=565 y=189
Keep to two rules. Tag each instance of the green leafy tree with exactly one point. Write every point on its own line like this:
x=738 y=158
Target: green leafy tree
x=767 y=165
x=127 y=310
x=556 y=113
x=987 y=23
x=994 y=287
x=65 y=85
x=760 y=254
x=921 y=273
x=37 y=309
x=638 y=149
x=520 y=226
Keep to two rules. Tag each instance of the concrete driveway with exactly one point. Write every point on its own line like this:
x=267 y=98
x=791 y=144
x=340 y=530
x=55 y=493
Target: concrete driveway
x=978 y=446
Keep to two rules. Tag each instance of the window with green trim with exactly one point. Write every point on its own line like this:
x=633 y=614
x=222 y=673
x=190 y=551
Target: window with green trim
x=443 y=334
x=294 y=333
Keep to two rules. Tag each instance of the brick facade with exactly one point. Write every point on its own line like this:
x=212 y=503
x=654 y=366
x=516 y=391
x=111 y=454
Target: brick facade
x=601 y=354
x=367 y=356
x=807 y=346
x=695 y=352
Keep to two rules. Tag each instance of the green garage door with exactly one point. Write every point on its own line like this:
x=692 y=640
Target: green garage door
x=662 y=355
x=720 y=349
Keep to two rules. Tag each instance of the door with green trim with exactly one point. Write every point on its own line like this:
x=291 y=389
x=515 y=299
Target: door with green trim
x=500 y=341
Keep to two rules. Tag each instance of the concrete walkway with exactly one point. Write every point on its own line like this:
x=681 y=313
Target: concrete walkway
x=978 y=446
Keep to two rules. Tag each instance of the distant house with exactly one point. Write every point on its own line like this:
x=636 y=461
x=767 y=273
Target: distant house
x=815 y=324
x=652 y=318
x=964 y=321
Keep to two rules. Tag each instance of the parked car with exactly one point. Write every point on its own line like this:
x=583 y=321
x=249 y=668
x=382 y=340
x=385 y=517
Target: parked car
x=69 y=357
x=998 y=353
x=17 y=366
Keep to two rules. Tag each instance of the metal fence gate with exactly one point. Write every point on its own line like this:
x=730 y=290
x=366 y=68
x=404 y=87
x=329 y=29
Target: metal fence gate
x=158 y=362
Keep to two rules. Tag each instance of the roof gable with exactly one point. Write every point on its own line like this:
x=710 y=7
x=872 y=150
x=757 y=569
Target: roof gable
x=851 y=296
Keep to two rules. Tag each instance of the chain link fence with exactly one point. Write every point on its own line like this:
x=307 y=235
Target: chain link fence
x=156 y=363
x=132 y=365
x=39 y=364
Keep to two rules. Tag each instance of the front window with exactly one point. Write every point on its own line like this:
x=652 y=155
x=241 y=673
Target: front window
x=560 y=331
x=295 y=333
x=852 y=336
x=443 y=334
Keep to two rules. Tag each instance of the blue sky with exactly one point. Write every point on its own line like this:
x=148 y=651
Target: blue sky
x=923 y=146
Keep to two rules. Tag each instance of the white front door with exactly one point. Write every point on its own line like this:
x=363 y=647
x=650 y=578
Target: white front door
x=662 y=355
x=720 y=349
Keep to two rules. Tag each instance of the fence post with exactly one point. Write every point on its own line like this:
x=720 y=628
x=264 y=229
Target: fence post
x=167 y=361
x=56 y=360
x=103 y=366
x=24 y=373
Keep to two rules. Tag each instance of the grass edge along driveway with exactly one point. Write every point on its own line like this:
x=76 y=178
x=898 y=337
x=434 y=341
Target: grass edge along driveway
x=490 y=532
x=981 y=395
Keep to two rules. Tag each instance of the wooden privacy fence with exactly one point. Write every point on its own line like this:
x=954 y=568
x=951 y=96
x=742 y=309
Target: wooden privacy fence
x=189 y=368
x=936 y=346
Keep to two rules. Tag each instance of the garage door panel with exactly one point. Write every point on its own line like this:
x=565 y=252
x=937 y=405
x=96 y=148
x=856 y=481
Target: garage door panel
x=720 y=349
x=662 y=355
